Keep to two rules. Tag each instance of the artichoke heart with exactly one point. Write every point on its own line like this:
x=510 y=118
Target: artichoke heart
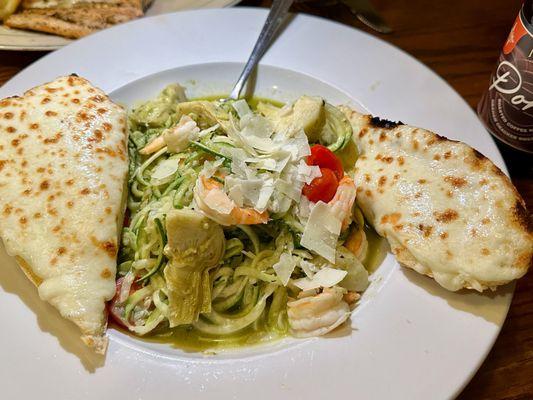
x=195 y=245
x=206 y=113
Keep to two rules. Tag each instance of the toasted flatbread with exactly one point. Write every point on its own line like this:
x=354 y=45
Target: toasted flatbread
x=77 y=21
x=63 y=168
x=447 y=211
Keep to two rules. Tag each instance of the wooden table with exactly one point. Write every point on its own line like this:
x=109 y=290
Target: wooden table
x=460 y=40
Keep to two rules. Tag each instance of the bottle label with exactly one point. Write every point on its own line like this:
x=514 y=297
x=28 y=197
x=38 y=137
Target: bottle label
x=506 y=108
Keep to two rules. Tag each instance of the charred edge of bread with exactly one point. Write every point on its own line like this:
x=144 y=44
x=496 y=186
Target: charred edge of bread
x=384 y=123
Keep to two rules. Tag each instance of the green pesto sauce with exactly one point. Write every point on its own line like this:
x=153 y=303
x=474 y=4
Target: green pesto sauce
x=189 y=339
x=252 y=102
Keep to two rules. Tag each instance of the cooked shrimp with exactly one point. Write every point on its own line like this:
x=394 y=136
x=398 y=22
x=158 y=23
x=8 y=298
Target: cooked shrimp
x=342 y=202
x=319 y=314
x=357 y=243
x=215 y=204
x=177 y=138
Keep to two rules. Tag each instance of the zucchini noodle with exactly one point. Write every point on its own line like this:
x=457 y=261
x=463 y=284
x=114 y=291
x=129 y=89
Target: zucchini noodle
x=245 y=286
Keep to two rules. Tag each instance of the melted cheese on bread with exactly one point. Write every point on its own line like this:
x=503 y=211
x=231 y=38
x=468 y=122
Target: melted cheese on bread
x=447 y=211
x=63 y=168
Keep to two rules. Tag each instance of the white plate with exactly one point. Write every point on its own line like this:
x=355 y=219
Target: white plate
x=17 y=39
x=411 y=339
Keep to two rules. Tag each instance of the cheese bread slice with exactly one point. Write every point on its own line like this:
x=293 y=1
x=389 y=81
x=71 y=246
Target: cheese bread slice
x=63 y=168
x=447 y=211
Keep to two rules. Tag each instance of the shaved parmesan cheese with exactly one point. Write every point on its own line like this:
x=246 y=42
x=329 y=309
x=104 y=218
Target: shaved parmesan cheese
x=285 y=267
x=326 y=277
x=308 y=268
x=164 y=171
x=297 y=145
x=306 y=173
x=322 y=231
x=255 y=192
x=242 y=108
x=210 y=167
x=205 y=132
x=293 y=190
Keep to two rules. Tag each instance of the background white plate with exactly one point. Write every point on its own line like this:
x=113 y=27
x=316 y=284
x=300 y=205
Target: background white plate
x=17 y=39
x=412 y=339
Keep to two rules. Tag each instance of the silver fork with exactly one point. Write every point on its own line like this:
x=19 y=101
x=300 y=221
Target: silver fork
x=275 y=18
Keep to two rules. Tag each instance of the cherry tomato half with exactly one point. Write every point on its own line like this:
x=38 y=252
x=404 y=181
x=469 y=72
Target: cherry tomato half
x=322 y=188
x=325 y=158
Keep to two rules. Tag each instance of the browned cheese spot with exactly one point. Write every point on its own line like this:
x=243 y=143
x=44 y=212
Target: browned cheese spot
x=418 y=195
x=368 y=193
x=425 y=229
x=26 y=192
x=485 y=221
x=105 y=274
x=56 y=228
x=401 y=160
x=8 y=115
x=34 y=126
x=37 y=215
x=378 y=157
x=108 y=210
x=436 y=157
x=108 y=246
x=75 y=101
x=367 y=178
x=382 y=137
x=388 y=159
x=46 y=100
x=70 y=204
x=448 y=155
x=391 y=218
x=23 y=220
x=485 y=251
x=44 y=185
x=55 y=139
x=422 y=181
x=70 y=182
x=449 y=193
x=455 y=181
x=449 y=254
x=415 y=144
x=483 y=182
x=398 y=227
x=85 y=191
x=15 y=142
x=370 y=141
x=363 y=132
x=446 y=216
x=61 y=251
x=473 y=232
x=382 y=180
x=50 y=113
x=11 y=129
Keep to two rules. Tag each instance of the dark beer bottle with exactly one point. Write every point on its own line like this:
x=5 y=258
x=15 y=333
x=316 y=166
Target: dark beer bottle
x=506 y=108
